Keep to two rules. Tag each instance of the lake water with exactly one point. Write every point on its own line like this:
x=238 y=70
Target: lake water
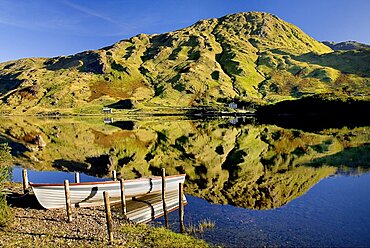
x=261 y=184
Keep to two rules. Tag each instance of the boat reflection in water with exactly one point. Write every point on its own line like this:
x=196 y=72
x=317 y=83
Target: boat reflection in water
x=150 y=207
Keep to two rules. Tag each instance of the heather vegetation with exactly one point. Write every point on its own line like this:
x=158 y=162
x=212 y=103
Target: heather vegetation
x=252 y=57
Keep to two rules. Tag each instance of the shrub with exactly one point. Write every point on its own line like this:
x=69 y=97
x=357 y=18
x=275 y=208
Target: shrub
x=5 y=214
x=5 y=156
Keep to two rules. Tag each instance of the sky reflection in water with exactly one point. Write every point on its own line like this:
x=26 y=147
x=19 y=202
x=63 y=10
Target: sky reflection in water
x=335 y=212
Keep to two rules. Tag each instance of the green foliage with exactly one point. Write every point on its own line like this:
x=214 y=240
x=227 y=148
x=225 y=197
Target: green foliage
x=4 y=175
x=5 y=155
x=5 y=214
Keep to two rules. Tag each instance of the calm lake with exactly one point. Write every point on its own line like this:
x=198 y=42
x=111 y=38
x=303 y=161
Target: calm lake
x=261 y=184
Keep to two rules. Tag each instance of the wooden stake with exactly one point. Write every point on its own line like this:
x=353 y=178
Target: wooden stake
x=114 y=175
x=108 y=216
x=68 y=200
x=123 y=198
x=181 y=207
x=77 y=177
x=25 y=181
x=164 y=197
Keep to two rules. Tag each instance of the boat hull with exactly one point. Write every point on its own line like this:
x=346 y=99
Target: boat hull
x=52 y=196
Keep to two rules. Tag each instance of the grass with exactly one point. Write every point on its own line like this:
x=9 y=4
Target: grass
x=147 y=236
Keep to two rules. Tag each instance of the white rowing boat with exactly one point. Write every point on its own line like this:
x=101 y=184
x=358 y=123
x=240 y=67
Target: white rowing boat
x=91 y=193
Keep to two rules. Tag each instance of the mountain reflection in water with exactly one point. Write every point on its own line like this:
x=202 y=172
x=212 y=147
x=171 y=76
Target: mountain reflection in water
x=228 y=161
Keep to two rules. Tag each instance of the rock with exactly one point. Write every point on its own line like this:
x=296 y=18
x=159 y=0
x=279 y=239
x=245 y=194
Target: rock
x=39 y=141
x=35 y=159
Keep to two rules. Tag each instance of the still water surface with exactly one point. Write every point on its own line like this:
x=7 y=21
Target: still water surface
x=335 y=213
x=261 y=184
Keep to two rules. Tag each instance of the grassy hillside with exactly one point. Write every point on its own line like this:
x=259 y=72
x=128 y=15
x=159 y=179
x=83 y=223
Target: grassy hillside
x=252 y=57
x=346 y=45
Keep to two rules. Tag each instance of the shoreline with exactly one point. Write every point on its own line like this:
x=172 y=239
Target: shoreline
x=33 y=226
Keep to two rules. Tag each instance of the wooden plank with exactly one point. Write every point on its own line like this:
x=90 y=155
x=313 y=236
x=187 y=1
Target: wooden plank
x=108 y=215
x=181 y=207
x=123 y=198
x=68 y=200
x=77 y=177
x=164 y=197
x=25 y=181
x=77 y=180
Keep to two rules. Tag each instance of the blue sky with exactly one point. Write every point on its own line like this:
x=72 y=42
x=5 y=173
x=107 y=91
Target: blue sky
x=46 y=28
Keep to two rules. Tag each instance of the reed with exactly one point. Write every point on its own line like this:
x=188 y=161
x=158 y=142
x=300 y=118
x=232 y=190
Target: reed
x=200 y=227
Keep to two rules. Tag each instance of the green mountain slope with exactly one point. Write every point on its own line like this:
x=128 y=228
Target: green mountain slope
x=346 y=45
x=254 y=57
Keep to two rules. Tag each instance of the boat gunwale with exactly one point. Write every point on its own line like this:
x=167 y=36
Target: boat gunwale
x=102 y=182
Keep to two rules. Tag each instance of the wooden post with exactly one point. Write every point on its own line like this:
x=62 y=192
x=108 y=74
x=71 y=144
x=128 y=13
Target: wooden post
x=25 y=181
x=108 y=216
x=114 y=175
x=181 y=207
x=164 y=197
x=68 y=200
x=123 y=197
x=77 y=177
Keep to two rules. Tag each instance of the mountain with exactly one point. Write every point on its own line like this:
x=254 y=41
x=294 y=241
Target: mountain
x=346 y=45
x=248 y=57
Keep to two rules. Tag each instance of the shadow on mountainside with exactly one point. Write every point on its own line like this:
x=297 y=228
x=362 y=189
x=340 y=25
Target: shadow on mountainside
x=316 y=113
x=85 y=62
x=9 y=82
x=17 y=148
